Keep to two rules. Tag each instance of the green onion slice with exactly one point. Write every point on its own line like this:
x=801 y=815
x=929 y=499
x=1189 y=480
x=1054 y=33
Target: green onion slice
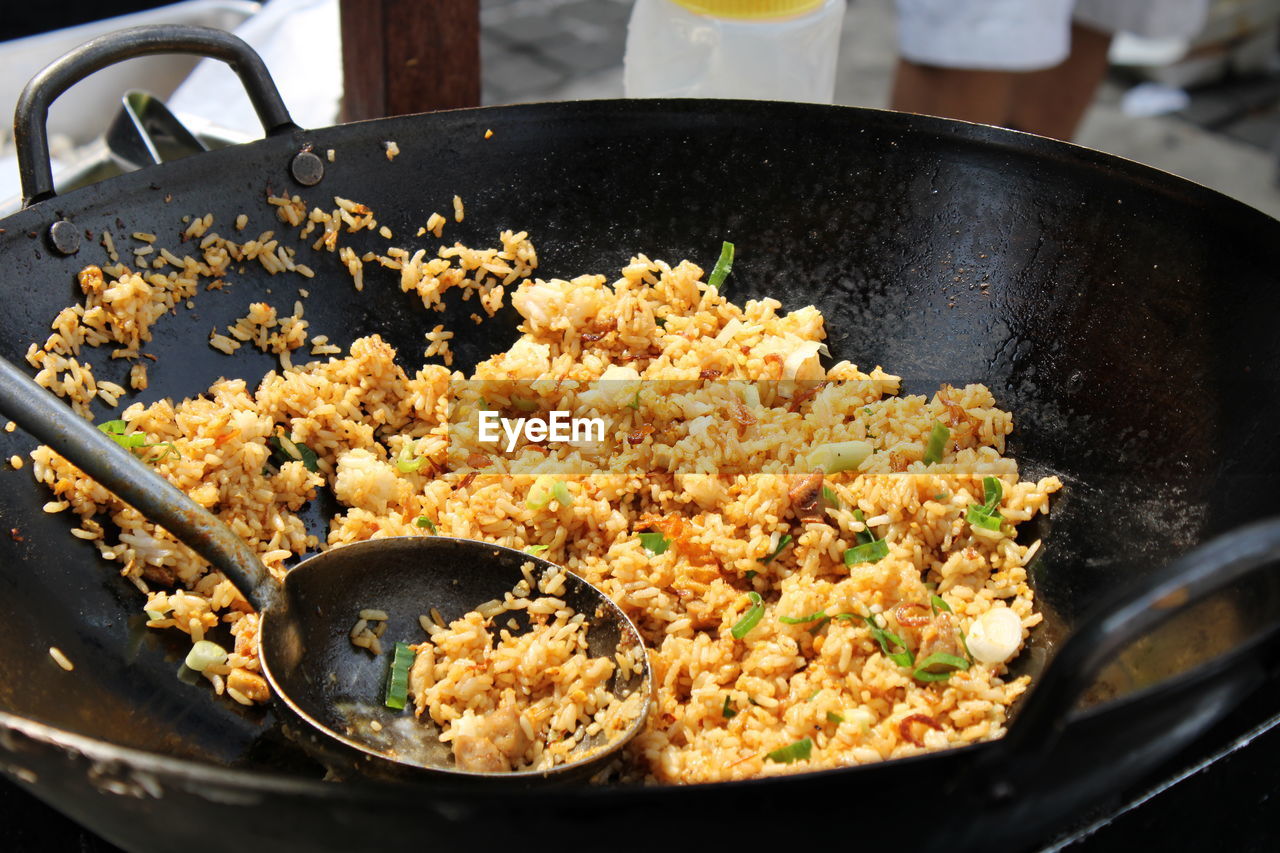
x=938 y=604
x=287 y=450
x=423 y=521
x=867 y=552
x=981 y=517
x=117 y=430
x=634 y=405
x=839 y=456
x=887 y=640
x=410 y=464
x=993 y=492
x=536 y=549
x=939 y=666
x=817 y=615
x=398 y=679
x=833 y=717
x=798 y=751
x=830 y=497
x=866 y=535
x=750 y=619
x=937 y=442
x=204 y=654
x=724 y=265
x=782 y=543
x=655 y=543
x=728 y=711
x=541 y=492
x=561 y=493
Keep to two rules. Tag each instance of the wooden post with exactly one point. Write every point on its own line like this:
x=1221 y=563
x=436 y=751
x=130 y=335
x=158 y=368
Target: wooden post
x=409 y=56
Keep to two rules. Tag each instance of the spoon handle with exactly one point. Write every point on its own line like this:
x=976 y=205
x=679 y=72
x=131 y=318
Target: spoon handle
x=41 y=414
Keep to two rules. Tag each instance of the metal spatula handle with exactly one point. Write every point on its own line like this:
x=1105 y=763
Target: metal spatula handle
x=89 y=449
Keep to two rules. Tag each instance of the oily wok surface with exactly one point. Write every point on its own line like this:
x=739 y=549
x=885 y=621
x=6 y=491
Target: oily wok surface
x=1124 y=317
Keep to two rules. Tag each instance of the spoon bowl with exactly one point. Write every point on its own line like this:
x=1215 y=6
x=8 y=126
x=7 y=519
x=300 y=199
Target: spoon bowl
x=308 y=657
x=333 y=689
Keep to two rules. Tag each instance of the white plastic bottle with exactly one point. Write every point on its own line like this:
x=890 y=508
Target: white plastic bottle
x=782 y=50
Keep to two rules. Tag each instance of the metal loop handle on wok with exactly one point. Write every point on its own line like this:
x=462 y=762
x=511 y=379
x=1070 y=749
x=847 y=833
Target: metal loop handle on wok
x=31 y=115
x=1129 y=613
x=42 y=415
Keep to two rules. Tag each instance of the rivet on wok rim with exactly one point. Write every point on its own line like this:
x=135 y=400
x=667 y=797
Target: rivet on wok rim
x=64 y=237
x=307 y=168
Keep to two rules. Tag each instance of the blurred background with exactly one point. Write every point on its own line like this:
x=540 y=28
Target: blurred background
x=1205 y=107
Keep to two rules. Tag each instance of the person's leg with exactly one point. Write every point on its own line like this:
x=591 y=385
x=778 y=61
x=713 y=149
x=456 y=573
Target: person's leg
x=960 y=93
x=1053 y=101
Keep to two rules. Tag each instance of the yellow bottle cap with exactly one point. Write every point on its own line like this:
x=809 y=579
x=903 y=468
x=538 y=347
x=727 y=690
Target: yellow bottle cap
x=750 y=9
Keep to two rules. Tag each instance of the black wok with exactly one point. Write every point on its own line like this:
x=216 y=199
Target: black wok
x=1125 y=316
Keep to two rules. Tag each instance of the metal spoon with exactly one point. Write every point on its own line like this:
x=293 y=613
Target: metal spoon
x=305 y=648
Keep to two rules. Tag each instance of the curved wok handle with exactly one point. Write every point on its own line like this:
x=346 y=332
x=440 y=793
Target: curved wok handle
x=88 y=448
x=32 y=113
x=1134 y=610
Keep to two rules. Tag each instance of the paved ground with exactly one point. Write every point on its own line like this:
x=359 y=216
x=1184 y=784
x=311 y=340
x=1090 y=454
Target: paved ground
x=534 y=50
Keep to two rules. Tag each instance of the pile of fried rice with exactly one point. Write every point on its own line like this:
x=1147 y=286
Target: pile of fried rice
x=818 y=677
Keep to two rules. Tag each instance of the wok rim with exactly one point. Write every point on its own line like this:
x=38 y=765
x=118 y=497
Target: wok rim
x=1147 y=178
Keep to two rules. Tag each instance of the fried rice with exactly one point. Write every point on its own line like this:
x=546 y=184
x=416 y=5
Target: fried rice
x=818 y=677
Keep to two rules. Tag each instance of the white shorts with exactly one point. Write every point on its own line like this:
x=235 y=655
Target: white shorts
x=1028 y=35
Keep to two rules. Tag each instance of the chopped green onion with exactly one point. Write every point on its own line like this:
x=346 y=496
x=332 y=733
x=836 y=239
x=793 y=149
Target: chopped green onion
x=833 y=717
x=728 y=711
x=136 y=440
x=992 y=491
x=798 y=751
x=423 y=521
x=839 y=456
x=927 y=669
x=409 y=465
x=814 y=695
x=867 y=552
x=169 y=448
x=655 y=543
x=980 y=517
x=830 y=497
x=938 y=604
x=524 y=405
x=751 y=574
x=782 y=543
x=634 y=405
x=540 y=493
x=205 y=654
x=937 y=442
x=865 y=536
x=887 y=639
x=561 y=493
x=287 y=450
x=751 y=619
x=724 y=265
x=941 y=496
x=536 y=549
x=988 y=515
x=804 y=620
x=398 y=678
